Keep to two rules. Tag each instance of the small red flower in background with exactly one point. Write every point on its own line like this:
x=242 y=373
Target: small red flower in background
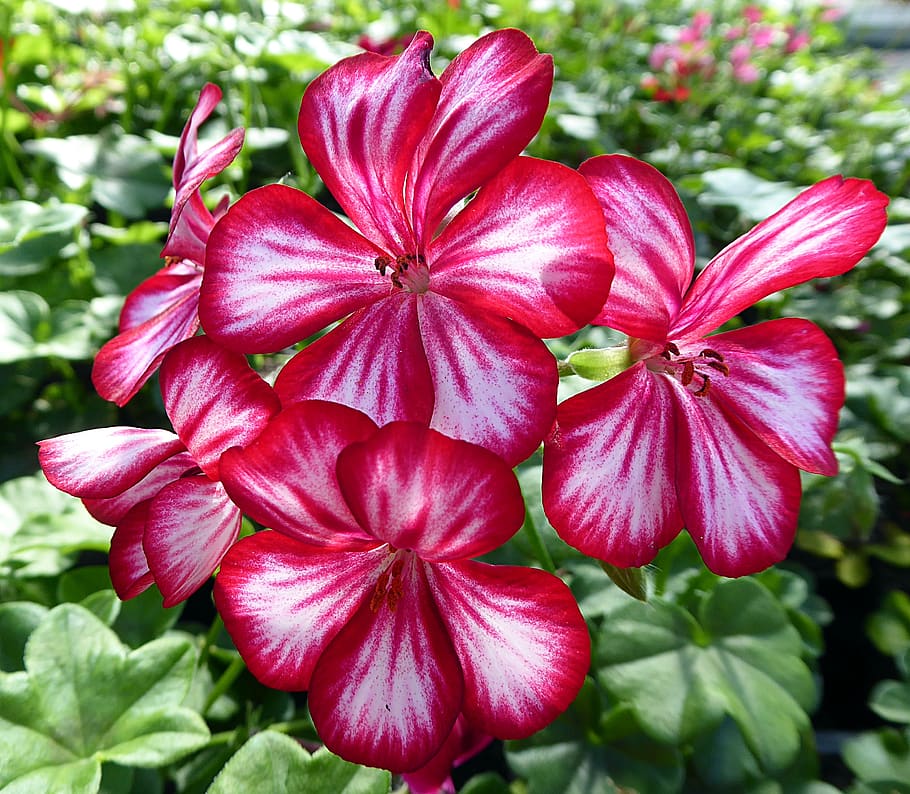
x=163 y=310
x=161 y=490
x=704 y=432
x=367 y=596
x=448 y=310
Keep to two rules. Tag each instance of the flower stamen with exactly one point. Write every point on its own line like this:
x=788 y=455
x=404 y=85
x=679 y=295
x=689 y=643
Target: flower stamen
x=690 y=369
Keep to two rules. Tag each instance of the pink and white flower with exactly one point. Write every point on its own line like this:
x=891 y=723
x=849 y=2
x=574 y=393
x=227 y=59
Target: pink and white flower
x=162 y=490
x=367 y=597
x=704 y=433
x=163 y=310
x=447 y=311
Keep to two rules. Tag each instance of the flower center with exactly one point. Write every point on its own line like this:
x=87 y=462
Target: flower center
x=389 y=588
x=407 y=272
x=693 y=371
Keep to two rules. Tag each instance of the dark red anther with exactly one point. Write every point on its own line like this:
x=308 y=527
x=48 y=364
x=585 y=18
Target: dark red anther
x=688 y=373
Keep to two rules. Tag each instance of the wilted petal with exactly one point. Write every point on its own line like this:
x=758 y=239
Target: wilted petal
x=739 y=500
x=127 y=361
x=129 y=568
x=279 y=267
x=530 y=246
x=388 y=688
x=786 y=384
x=112 y=511
x=609 y=469
x=105 y=461
x=373 y=361
x=283 y=602
x=651 y=239
x=824 y=231
x=360 y=122
x=286 y=478
x=495 y=382
x=494 y=97
x=191 y=524
x=522 y=643
x=213 y=399
x=418 y=489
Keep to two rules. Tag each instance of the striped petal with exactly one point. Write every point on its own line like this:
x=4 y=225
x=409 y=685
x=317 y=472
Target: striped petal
x=387 y=690
x=127 y=361
x=824 y=231
x=214 y=399
x=283 y=602
x=531 y=247
x=418 y=489
x=192 y=168
x=105 y=461
x=373 y=361
x=113 y=510
x=652 y=244
x=279 y=267
x=786 y=384
x=191 y=524
x=521 y=641
x=286 y=479
x=739 y=499
x=494 y=97
x=609 y=469
x=494 y=381
x=360 y=123
x=130 y=574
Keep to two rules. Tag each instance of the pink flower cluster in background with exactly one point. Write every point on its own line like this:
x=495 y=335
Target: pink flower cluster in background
x=379 y=465
x=706 y=50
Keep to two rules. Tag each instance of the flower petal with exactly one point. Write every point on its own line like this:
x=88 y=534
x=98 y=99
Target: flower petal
x=434 y=777
x=279 y=267
x=191 y=524
x=190 y=233
x=213 y=399
x=824 y=231
x=608 y=470
x=105 y=461
x=530 y=247
x=373 y=361
x=521 y=641
x=171 y=285
x=283 y=602
x=113 y=510
x=651 y=239
x=127 y=361
x=130 y=574
x=418 y=489
x=786 y=384
x=387 y=690
x=191 y=168
x=286 y=478
x=494 y=381
x=739 y=500
x=360 y=123
x=494 y=97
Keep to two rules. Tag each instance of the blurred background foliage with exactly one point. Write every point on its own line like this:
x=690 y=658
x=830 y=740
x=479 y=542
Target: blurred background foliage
x=795 y=680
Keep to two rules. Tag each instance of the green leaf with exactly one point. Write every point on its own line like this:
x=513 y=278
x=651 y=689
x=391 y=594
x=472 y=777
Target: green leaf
x=741 y=658
x=889 y=627
x=891 y=701
x=40 y=526
x=18 y=619
x=61 y=718
x=32 y=235
x=272 y=763
x=754 y=197
x=880 y=756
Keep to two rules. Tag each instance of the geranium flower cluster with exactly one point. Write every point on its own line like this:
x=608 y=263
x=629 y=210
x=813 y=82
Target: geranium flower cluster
x=379 y=464
x=704 y=51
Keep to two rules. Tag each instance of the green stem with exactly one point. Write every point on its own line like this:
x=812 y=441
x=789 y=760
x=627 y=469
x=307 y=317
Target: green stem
x=296 y=728
x=223 y=684
x=564 y=369
x=209 y=642
x=537 y=545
